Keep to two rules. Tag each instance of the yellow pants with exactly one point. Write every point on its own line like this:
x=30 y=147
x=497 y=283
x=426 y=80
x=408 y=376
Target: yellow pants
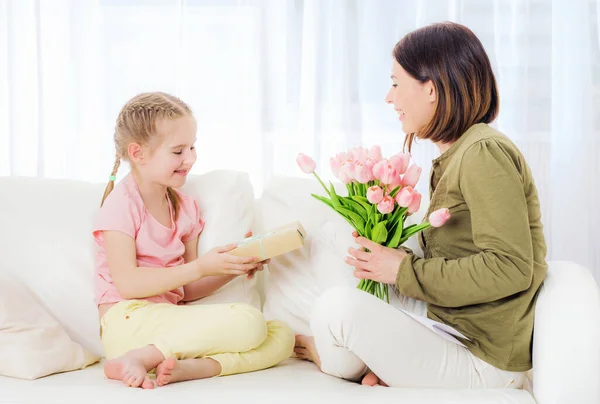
x=235 y=335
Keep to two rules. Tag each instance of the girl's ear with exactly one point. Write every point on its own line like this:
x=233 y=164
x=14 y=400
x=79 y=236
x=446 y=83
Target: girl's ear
x=135 y=153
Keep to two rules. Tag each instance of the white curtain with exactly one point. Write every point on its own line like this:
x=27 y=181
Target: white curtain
x=270 y=78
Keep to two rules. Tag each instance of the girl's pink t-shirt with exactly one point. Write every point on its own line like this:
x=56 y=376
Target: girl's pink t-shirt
x=156 y=245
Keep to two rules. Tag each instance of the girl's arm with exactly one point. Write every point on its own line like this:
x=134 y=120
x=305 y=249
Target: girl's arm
x=133 y=282
x=203 y=287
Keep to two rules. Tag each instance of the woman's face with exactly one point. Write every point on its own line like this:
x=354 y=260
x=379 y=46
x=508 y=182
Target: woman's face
x=415 y=102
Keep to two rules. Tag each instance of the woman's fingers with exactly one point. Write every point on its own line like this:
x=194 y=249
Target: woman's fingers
x=363 y=265
x=363 y=274
x=368 y=244
x=359 y=254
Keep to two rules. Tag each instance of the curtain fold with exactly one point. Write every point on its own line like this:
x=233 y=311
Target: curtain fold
x=270 y=78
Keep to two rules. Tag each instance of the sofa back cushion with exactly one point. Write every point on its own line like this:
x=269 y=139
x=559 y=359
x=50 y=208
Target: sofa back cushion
x=47 y=244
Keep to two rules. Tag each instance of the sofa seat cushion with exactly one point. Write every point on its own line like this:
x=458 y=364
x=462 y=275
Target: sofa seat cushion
x=293 y=381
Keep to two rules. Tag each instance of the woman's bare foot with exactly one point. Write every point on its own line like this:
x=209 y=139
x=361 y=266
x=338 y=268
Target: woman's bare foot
x=371 y=379
x=172 y=371
x=306 y=349
x=132 y=368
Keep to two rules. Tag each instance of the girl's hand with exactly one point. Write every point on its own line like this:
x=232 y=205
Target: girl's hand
x=218 y=262
x=260 y=267
x=380 y=264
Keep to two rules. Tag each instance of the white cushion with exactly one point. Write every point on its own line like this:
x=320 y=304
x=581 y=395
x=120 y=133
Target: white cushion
x=566 y=340
x=291 y=382
x=32 y=343
x=290 y=285
x=47 y=242
x=226 y=200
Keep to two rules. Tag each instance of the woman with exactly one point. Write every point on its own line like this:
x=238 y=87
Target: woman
x=481 y=271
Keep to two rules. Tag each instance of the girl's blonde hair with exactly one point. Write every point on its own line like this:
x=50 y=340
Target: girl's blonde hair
x=136 y=123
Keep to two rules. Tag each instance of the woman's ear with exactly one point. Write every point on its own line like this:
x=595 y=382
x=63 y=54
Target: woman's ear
x=430 y=92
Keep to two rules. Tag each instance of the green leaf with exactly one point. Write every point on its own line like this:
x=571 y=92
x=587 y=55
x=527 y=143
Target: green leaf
x=376 y=217
x=397 y=235
x=409 y=231
x=334 y=198
x=363 y=201
x=398 y=215
x=350 y=189
x=395 y=191
x=359 y=222
x=368 y=230
x=406 y=229
x=357 y=207
x=379 y=233
x=323 y=199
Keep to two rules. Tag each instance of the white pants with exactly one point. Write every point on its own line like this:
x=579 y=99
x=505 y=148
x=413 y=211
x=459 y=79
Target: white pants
x=355 y=331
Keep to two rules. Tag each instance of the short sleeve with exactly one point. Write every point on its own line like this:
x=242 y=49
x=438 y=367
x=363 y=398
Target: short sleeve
x=196 y=224
x=118 y=213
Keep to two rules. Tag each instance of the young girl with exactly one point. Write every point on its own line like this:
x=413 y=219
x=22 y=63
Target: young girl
x=147 y=234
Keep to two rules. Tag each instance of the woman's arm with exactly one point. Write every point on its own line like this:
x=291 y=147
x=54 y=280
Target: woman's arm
x=493 y=190
x=133 y=282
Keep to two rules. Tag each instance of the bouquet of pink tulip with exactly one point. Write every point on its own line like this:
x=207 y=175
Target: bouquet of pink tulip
x=380 y=196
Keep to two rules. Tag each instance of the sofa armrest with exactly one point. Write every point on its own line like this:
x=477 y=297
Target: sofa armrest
x=566 y=347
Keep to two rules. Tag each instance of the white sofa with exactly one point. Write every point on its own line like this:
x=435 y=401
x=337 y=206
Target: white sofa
x=45 y=243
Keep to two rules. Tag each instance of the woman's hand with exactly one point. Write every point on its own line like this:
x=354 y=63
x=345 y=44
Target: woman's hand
x=380 y=264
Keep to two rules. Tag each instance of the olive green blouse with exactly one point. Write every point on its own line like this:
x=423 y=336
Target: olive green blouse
x=482 y=270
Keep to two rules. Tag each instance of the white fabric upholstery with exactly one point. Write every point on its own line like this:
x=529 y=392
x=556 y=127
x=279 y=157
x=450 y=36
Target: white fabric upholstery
x=293 y=382
x=46 y=243
x=566 y=346
x=32 y=343
x=47 y=246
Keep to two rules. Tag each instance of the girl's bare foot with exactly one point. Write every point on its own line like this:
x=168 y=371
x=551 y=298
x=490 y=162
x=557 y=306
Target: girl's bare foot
x=306 y=349
x=371 y=379
x=132 y=368
x=171 y=370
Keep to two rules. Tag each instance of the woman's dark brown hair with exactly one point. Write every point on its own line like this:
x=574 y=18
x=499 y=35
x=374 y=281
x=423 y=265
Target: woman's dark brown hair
x=453 y=58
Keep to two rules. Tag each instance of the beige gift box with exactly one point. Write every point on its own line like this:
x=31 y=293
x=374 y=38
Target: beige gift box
x=273 y=243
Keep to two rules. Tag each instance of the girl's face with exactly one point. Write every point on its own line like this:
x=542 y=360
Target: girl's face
x=168 y=160
x=415 y=102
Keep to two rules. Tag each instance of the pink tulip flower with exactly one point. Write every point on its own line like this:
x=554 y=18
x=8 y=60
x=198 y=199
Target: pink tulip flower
x=335 y=166
x=400 y=162
x=411 y=177
x=374 y=194
x=362 y=173
x=359 y=154
x=307 y=164
x=347 y=171
x=375 y=155
x=386 y=205
x=384 y=172
x=405 y=196
x=415 y=204
x=439 y=217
